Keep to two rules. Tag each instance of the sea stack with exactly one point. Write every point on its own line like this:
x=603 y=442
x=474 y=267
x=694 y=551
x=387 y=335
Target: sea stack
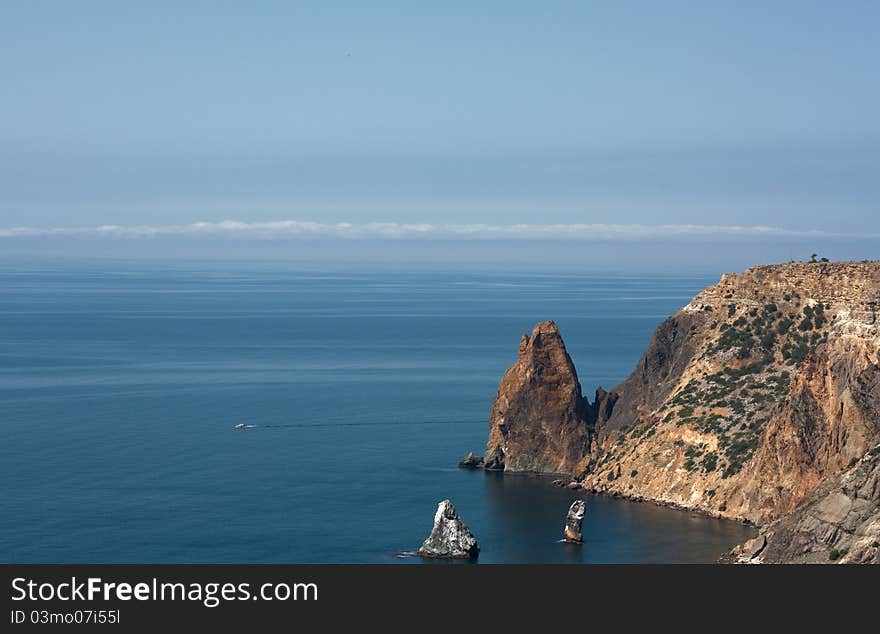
x=450 y=537
x=574 y=520
x=539 y=418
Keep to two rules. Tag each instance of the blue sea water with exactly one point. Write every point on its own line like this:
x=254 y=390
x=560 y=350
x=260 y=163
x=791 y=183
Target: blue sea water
x=120 y=384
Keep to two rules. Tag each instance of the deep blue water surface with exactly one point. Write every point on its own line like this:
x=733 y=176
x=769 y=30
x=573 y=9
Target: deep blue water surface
x=120 y=384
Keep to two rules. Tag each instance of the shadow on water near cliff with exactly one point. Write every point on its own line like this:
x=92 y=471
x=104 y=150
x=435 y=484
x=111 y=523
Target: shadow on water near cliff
x=525 y=517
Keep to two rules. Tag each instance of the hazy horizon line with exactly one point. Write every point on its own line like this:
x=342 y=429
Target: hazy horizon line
x=297 y=229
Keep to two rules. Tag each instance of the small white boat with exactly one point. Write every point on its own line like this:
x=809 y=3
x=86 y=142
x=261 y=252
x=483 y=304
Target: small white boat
x=241 y=426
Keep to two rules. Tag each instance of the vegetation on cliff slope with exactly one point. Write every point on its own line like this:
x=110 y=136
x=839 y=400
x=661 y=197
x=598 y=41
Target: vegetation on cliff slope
x=751 y=395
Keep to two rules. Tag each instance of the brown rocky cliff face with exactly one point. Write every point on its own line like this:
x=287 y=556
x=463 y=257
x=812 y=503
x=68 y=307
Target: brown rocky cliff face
x=838 y=523
x=752 y=402
x=829 y=419
x=657 y=373
x=539 y=419
x=756 y=392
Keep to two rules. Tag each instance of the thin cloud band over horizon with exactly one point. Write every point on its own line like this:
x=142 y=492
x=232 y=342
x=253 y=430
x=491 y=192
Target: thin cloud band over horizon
x=296 y=229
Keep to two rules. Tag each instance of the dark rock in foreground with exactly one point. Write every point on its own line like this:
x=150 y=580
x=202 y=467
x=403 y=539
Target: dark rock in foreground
x=574 y=520
x=450 y=537
x=471 y=461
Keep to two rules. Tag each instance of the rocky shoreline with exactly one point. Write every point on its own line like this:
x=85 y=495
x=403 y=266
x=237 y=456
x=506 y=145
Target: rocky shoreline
x=615 y=494
x=641 y=499
x=672 y=504
x=748 y=402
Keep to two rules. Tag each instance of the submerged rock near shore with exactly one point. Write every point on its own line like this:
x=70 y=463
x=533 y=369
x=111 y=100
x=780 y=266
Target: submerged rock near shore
x=450 y=537
x=471 y=461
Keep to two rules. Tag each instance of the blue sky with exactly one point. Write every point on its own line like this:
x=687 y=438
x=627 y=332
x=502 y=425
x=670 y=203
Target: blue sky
x=456 y=114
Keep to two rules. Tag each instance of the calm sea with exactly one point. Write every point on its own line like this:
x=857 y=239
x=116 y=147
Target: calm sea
x=120 y=384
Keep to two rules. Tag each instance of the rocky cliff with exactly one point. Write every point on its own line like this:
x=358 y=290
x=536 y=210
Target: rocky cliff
x=761 y=390
x=838 y=523
x=539 y=419
x=750 y=396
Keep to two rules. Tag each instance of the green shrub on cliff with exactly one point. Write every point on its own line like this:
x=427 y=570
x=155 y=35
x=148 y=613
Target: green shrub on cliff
x=738 y=451
x=836 y=553
x=784 y=325
x=710 y=462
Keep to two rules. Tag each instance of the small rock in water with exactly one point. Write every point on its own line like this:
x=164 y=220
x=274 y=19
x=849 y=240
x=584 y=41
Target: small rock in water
x=471 y=461
x=450 y=537
x=574 y=520
x=574 y=484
